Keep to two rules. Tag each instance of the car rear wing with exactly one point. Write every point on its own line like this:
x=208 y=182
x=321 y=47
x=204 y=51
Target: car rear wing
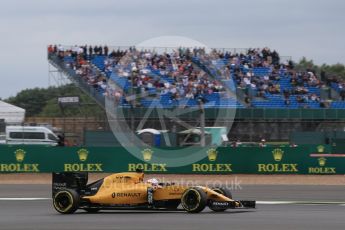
x=68 y=180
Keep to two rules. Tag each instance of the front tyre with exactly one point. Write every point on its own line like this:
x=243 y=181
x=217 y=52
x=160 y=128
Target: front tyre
x=224 y=191
x=66 y=201
x=194 y=200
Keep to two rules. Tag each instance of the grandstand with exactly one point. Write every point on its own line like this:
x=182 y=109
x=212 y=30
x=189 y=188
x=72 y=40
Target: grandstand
x=270 y=96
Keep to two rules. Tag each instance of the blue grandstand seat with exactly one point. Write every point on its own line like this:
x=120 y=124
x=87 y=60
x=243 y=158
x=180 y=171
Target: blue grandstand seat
x=213 y=100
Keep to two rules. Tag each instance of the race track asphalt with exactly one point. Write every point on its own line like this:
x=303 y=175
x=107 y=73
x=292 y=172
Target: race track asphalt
x=308 y=213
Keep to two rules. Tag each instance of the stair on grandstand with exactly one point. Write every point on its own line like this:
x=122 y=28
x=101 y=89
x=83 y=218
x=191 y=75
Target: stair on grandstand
x=65 y=65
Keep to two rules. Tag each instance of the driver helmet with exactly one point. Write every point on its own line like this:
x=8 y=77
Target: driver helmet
x=153 y=181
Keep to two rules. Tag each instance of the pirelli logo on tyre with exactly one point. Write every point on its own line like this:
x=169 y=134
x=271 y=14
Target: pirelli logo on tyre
x=83 y=155
x=20 y=165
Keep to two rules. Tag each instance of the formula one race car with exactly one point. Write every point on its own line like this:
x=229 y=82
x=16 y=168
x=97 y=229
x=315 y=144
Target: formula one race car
x=129 y=191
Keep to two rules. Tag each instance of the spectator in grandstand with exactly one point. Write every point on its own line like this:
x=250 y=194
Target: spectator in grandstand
x=190 y=95
x=50 y=49
x=274 y=89
x=106 y=50
x=312 y=80
x=293 y=145
x=293 y=80
x=324 y=104
x=90 y=51
x=342 y=94
x=305 y=98
x=262 y=143
x=95 y=50
x=286 y=93
x=60 y=48
x=236 y=143
x=247 y=100
x=299 y=90
x=314 y=97
x=176 y=74
x=262 y=91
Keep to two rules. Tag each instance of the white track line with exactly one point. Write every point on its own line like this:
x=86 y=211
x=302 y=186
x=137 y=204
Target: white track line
x=301 y=202
x=21 y=198
x=274 y=202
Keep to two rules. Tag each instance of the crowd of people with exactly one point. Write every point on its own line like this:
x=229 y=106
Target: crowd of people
x=80 y=62
x=338 y=84
x=176 y=74
x=86 y=51
x=168 y=73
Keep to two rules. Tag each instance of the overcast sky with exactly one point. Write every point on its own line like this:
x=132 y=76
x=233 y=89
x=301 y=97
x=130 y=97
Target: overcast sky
x=297 y=28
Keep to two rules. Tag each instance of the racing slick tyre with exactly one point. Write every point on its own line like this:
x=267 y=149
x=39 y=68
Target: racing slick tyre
x=194 y=200
x=91 y=210
x=224 y=191
x=66 y=201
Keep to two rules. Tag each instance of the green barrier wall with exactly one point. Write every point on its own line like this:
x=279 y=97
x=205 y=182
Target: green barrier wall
x=252 y=113
x=251 y=160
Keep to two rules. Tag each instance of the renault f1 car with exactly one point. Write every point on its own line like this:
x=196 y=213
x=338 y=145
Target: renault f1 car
x=129 y=191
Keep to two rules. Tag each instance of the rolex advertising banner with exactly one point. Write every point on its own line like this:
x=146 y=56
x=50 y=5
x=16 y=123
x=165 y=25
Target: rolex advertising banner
x=223 y=160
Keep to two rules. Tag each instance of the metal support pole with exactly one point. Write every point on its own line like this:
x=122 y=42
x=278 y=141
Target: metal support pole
x=202 y=124
x=133 y=100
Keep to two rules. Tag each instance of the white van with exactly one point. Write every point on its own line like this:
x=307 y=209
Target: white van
x=30 y=135
x=2 y=139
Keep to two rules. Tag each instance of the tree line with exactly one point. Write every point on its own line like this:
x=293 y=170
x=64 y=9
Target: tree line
x=43 y=102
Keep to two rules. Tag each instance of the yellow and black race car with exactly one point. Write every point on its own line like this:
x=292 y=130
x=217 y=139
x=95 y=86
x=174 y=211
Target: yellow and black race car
x=129 y=191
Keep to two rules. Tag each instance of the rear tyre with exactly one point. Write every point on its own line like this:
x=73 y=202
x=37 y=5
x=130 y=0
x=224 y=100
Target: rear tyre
x=194 y=200
x=224 y=191
x=66 y=201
